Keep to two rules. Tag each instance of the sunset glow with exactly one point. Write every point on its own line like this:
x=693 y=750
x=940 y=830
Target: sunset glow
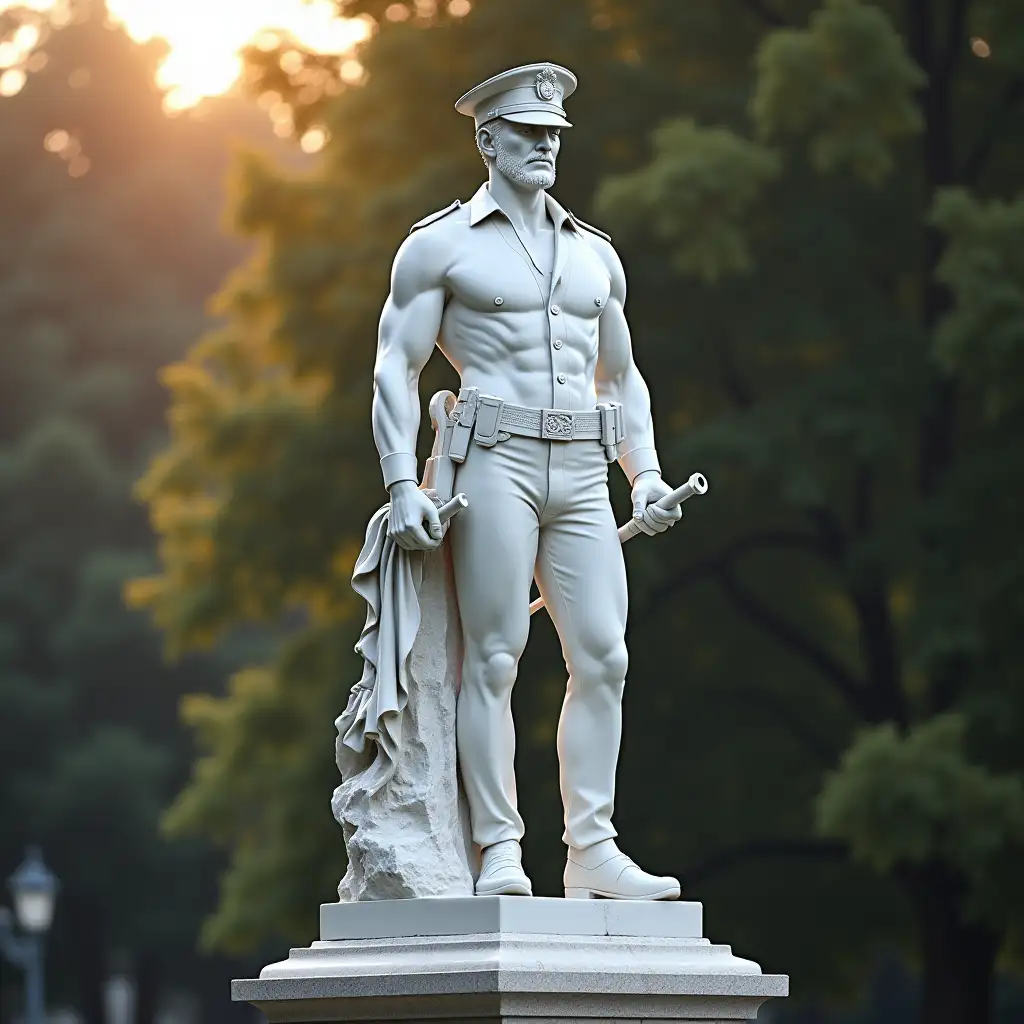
x=205 y=37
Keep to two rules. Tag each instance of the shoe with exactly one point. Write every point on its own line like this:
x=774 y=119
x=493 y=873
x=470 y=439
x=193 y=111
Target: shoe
x=501 y=871
x=602 y=871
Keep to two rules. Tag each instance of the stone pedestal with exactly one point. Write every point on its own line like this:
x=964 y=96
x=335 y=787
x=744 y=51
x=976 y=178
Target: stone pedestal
x=505 y=958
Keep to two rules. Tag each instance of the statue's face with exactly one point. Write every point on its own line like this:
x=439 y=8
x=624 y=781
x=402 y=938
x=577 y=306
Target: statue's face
x=524 y=153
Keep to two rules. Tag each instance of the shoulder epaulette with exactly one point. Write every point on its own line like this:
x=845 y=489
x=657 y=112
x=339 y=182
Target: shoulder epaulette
x=588 y=227
x=436 y=215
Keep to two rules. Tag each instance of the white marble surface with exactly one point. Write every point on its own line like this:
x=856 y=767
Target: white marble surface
x=411 y=838
x=526 y=301
x=517 y=959
x=507 y=915
x=596 y=958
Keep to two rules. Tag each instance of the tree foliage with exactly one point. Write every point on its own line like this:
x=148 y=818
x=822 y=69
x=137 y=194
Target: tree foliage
x=110 y=246
x=830 y=647
x=920 y=797
x=983 y=267
x=846 y=83
x=698 y=192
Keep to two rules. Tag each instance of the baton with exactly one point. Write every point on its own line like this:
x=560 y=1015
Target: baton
x=453 y=505
x=697 y=484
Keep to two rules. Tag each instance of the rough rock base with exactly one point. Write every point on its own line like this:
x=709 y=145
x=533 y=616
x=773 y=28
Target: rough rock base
x=411 y=839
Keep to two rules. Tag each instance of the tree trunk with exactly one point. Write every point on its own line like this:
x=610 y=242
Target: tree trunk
x=147 y=987
x=86 y=928
x=958 y=955
x=938 y=58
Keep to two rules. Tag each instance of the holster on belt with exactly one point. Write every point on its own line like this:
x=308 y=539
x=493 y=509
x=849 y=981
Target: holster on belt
x=613 y=428
x=488 y=420
x=463 y=420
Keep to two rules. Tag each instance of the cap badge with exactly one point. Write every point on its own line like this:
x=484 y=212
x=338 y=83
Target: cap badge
x=545 y=86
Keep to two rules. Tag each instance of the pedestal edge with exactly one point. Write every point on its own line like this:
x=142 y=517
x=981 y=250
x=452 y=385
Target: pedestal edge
x=508 y=983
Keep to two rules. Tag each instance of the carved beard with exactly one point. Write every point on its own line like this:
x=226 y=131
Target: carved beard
x=521 y=172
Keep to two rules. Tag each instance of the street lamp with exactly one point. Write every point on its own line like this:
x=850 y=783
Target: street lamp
x=34 y=888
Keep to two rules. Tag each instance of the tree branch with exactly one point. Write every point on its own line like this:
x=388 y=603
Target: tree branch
x=876 y=633
x=765 y=12
x=720 y=565
x=821 y=849
x=979 y=157
x=830 y=531
x=747 y=695
x=797 y=641
x=955 y=36
x=919 y=32
x=863 y=491
x=732 y=379
x=878 y=646
x=709 y=565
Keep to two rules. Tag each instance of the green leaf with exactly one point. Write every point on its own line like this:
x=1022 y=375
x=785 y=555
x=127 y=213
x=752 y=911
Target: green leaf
x=983 y=267
x=908 y=799
x=845 y=84
x=697 y=193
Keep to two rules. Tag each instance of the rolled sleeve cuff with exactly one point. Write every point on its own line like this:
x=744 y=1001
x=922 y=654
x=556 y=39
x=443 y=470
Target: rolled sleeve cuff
x=637 y=461
x=398 y=466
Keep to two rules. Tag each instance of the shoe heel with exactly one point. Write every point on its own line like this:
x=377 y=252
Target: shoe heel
x=578 y=894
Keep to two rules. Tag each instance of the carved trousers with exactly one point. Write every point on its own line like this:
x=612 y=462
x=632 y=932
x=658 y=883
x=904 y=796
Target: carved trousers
x=539 y=509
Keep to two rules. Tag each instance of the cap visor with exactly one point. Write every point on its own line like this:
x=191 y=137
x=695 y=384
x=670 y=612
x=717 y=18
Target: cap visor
x=544 y=117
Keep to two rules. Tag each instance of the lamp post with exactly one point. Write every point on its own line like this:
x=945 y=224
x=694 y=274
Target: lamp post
x=34 y=889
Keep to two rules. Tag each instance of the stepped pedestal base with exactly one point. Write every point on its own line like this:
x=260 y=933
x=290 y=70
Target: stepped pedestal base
x=511 y=959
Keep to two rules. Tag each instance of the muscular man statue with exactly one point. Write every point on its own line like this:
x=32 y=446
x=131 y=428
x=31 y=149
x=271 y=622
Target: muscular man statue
x=526 y=302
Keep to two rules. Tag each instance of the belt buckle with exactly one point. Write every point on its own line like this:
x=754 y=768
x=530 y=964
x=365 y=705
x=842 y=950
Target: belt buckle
x=557 y=425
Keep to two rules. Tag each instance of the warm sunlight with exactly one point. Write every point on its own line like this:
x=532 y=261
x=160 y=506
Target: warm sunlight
x=205 y=37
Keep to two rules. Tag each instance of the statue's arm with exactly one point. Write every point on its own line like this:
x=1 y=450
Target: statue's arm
x=409 y=327
x=619 y=380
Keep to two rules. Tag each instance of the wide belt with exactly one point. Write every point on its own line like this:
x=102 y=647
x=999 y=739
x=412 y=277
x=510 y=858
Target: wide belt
x=486 y=420
x=550 y=424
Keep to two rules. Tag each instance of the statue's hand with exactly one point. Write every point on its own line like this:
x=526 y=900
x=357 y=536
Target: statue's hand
x=649 y=488
x=413 y=523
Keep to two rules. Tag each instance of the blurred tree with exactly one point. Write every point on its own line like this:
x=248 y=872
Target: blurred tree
x=110 y=247
x=893 y=438
x=830 y=689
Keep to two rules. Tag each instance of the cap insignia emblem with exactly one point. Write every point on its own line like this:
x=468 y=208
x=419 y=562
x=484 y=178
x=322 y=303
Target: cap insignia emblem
x=546 y=80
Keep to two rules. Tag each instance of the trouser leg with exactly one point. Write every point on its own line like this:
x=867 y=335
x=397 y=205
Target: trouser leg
x=494 y=546
x=581 y=574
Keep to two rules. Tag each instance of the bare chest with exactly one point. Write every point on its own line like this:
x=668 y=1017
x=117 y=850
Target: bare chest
x=493 y=272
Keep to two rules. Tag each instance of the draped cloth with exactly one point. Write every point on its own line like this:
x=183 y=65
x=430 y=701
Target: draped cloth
x=388 y=579
x=400 y=804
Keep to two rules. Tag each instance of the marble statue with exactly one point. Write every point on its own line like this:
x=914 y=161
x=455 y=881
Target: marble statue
x=526 y=301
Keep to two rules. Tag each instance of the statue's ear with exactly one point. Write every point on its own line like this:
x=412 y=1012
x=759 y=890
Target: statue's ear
x=485 y=141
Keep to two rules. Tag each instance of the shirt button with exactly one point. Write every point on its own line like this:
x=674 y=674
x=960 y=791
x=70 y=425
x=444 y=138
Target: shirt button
x=561 y=378
x=555 y=310
x=598 y=301
x=557 y=343
x=498 y=300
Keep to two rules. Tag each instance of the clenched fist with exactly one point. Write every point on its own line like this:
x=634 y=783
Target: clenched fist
x=649 y=488
x=413 y=523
